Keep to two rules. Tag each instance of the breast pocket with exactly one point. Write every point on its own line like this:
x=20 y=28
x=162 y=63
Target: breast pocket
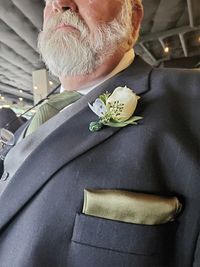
x=122 y=244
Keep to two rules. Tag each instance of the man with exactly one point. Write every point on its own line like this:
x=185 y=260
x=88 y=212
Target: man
x=63 y=172
x=8 y=119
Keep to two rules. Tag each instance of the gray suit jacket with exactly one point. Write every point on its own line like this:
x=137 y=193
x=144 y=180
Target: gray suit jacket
x=41 y=223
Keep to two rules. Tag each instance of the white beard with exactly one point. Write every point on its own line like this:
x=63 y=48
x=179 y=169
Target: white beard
x=71 y=54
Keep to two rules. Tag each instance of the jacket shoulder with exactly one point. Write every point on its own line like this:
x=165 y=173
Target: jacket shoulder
x=185 y=81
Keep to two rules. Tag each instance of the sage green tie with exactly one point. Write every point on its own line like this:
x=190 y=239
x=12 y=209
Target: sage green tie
x=51 y=107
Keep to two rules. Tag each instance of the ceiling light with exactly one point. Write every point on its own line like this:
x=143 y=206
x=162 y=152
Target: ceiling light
x=2 y=97
x=166 y=49
x=21 y=99
x=199 y=39
x=6 y=106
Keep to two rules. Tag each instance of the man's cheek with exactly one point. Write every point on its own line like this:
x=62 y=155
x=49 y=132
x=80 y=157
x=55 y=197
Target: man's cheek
x=47 y=13
x=93 y=10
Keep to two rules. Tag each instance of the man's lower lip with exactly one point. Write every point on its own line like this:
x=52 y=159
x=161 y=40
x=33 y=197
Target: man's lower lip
x=67 y=27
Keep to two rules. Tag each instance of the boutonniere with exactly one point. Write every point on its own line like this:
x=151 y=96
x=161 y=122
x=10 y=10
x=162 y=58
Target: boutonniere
x=115 y=110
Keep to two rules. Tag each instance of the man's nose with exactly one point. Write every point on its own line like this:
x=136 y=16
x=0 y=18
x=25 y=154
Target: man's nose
x=63 y=5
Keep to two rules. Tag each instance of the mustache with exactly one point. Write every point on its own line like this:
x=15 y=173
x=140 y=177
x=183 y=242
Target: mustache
x=68 y=18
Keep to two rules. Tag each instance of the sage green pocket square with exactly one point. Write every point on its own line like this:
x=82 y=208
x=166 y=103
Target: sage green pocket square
x=131 y=207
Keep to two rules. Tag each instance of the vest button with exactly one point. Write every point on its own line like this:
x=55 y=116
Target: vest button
x=5 y=176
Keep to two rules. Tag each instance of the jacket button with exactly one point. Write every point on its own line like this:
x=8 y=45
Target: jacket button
x=5 y=176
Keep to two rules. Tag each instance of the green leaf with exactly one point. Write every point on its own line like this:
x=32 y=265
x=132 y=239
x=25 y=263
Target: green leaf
x=95 y=126
x=104 y=97
x=134 y=118
x=132 y=121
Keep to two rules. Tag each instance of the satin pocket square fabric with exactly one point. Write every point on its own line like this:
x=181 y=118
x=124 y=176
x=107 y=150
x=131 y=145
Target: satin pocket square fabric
x=131 y=207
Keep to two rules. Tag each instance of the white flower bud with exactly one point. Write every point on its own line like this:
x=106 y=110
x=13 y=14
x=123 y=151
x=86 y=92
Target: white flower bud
x=127 y=101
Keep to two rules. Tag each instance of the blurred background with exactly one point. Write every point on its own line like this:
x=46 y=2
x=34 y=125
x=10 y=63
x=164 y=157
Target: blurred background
x=170 y=37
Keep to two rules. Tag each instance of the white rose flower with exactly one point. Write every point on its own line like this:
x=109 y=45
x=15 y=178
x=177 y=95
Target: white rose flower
x=122 y=103
x=115 y=110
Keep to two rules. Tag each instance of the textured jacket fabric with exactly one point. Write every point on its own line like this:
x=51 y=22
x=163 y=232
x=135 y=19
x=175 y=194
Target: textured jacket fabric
x=41 y=220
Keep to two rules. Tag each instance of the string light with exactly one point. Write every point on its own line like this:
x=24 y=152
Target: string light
x=21 y=91
x=166 y=49
x=35 y=87
x=21 y=99
x=51 y=83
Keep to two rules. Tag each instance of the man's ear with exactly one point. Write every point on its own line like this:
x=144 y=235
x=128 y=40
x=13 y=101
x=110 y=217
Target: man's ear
x=137 y=15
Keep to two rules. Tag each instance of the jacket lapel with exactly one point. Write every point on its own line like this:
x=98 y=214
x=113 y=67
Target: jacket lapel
x=66 y=132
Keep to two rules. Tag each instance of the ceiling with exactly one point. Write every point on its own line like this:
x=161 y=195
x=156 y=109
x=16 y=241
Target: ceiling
x=170 y=23
x=167 y=23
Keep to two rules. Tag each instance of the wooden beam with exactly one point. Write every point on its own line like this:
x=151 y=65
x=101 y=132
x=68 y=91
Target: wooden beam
x=183 y=44
x=149 y=54
x=15 y=92
x=190 y=13
x=165 y=34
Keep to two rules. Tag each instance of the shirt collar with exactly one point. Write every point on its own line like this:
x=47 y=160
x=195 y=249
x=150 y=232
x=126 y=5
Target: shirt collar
x=123 y=64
